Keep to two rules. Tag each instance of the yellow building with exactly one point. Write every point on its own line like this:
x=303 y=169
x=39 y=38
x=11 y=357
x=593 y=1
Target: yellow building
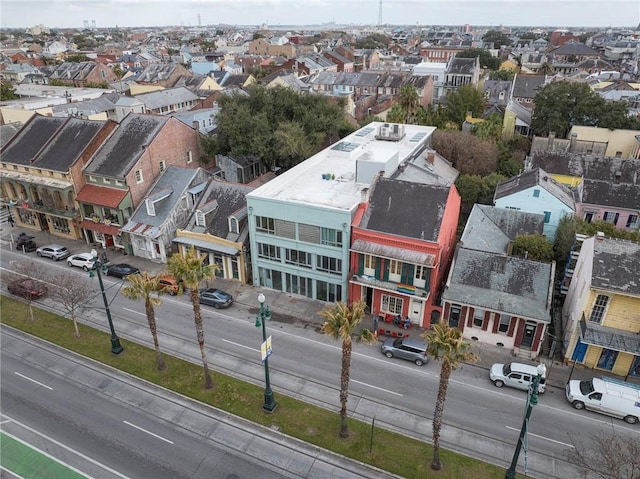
x=620 y=143
x=601 y=313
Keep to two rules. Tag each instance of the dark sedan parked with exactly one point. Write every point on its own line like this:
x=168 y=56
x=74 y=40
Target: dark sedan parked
x=121 y=270
x=216 y=298
x=27 y=288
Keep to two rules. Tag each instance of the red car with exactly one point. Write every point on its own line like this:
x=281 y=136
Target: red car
x=27 y=288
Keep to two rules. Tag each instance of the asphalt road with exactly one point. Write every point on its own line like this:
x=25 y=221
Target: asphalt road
x=100 y=435
x=400 y=395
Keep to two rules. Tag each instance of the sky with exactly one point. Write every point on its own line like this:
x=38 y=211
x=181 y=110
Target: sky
x=153 y=13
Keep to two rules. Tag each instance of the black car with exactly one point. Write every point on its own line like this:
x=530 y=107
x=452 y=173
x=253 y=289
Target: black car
x=26 y=243
x=121 y=270
x=216 y=298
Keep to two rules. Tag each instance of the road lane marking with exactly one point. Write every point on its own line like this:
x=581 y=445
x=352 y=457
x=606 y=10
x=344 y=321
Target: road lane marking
x=241 y=345
x=136 y=312
x=33 y=380
x=541 y=437
x=376 y=387
x=148 y=432
x=77 y=453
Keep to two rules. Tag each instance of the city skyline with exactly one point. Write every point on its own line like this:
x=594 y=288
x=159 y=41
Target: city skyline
x=157 y=13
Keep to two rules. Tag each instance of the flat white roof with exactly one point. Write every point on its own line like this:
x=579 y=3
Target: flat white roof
x=328 y=179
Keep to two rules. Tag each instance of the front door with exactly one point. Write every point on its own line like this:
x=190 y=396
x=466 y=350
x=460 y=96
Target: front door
x=527 y=335
x=367 y=297
x=415 y=310
x=579 y=351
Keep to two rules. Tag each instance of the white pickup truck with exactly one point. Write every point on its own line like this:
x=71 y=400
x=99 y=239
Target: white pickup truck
x=607 y=396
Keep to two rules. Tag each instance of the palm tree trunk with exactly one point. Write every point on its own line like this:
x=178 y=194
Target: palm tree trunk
x=344 y=387
x=445 y=373
x=197 y=317
x=151 y=319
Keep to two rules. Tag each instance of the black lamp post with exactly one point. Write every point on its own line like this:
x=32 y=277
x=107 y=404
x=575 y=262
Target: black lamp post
x=116 y=347
x=262 y=317
x=532 y=400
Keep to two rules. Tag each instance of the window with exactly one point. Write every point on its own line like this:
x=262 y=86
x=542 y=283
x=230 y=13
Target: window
x=328 y=264
x=162 y=165
x=265 y=225
x=200 y=218
x=189 y=157
x=632 y=221
x=331 y=237
x=395 y=270
x=547 y=216
x=106 y=181
x=607 y=359
x=369 y=265
x=139 y=178
x=118 y=183
x=599 y=308
x=505 y=320
x=391 y=304
x=478 y=318
x=268 y=251
x=454 y=315
x=611 y=217
x=299 y=258
x=60 y=224
x=329 y=291
x=536 y=193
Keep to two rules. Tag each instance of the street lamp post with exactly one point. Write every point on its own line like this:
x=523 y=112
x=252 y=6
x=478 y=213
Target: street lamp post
x=263 y=315
x=532 y=400
x=116 y=347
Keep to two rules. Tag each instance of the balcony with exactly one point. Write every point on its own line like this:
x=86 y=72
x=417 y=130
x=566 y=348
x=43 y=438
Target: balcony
x=371 y=282
x=40 y=207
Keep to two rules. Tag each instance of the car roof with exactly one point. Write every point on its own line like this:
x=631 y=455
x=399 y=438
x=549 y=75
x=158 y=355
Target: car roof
x=85 y=255
x=53 y=246
x=525 y=368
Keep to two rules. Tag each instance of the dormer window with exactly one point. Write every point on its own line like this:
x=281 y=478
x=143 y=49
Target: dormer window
x=234 y=227
x=200 y=218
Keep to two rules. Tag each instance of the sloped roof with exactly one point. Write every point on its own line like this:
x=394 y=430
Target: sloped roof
x=101 y=195
x=614 y=194
x=31 y=139
x=121 y=151
x=163 y=98
x=8 y=131
x=461 y=66
x=492 y=229
x=527 y=86
x=403 y=208
x=615 y=266
x=592 y=167
x=574 y=48
x=507 y=284
x=535 y=177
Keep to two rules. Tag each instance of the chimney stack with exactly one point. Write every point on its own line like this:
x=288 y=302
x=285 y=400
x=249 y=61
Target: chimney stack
x=431 y=157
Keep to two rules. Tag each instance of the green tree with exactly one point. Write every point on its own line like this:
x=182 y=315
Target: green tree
x=445 y=344
x=77 y=58
x=561 y=105
x=498 y=38
x=534 y=246
x=465 y=99
x=56 y=82
x=103 y=84
x=468 y=153
x=191 y=270
x=145 y=287
x=292 y=143
x=373 y=41
x=7 y=91
x=410 y=103
x=486 y=59
x=489 y=129
x=508 y=164
x=341 y=323
x=504 y=75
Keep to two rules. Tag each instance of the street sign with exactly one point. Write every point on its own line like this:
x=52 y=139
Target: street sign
x=266 y=349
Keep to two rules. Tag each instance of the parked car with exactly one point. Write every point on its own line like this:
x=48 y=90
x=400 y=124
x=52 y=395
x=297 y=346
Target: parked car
x=406 y=348
x=86 y=261
x=516 y=375
x=53 y=251
x=121 y=270
x=170 y=284
x=27 y=288
x=216 y=298
x=609 y=396
x=26 y=243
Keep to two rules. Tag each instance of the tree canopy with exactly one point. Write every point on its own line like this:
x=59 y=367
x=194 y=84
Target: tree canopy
x=7 y=91
x=498 y=38
x=468 y=153
x=279 y=125
x=465 y=99
x=486 y=59
x=561 y=105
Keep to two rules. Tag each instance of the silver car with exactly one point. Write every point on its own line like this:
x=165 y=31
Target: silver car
x=414 y=350
x=53 y=251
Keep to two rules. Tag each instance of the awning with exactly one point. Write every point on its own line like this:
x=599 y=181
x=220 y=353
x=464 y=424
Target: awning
x=101 y=196
x=202 y=244
x=610 y=338
x=391 y=252
x=100 y=227
x=37 y=179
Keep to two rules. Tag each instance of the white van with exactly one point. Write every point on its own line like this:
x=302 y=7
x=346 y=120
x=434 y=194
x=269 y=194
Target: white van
x=516 y=375
x=607 y=396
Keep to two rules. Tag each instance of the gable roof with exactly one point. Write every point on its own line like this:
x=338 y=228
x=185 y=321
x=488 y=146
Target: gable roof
x=507 y=284
x=403 y=208
x=121 y=151
x=461 y=66
x=527 y=86
x=8 y=131
x=593 y=167
x=24 y=146
x=531 y=178
x=162 y=98
x=493 y=229
x=574 y=48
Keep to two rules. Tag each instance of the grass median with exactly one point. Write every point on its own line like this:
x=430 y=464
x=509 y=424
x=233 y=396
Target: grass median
x=389 y=451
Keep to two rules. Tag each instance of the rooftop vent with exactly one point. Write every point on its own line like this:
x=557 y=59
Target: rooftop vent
x=390 y=132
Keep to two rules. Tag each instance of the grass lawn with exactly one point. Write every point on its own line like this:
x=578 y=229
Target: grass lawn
x=392 y=452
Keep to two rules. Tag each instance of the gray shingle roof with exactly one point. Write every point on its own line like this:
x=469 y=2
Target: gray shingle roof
x=616 y=264
x=527 y=86
x=461 y=66
x=406 y=209
x=30 y=139
x=119 y=154
x=163 y=98
x=535 y=177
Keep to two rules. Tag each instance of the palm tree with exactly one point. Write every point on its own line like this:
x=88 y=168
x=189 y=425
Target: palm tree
x=410 y=103
x=191 y=270
x=341 y=324
x=142 y=286
x=445 y=344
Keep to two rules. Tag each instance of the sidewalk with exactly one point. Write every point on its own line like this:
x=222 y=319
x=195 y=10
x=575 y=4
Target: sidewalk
x=290 y=309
